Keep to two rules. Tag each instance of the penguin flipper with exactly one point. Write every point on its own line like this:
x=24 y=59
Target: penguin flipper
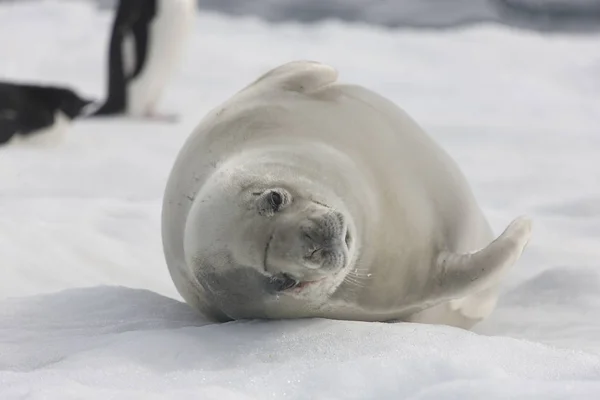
x=128 y=13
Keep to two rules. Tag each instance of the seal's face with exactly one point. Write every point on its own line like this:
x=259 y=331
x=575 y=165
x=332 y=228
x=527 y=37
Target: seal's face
x=267 y=242
x=309 y=241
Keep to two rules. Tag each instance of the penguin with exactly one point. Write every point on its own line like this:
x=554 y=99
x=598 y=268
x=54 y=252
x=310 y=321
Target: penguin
x=147 y=41
x=29 y=111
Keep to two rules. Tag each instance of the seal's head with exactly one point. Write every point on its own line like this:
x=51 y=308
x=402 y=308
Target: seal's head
x=309 y=240
x=258 y=237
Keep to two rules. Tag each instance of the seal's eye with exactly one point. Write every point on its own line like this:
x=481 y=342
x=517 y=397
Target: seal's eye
x=273 y=200
x=276 y=200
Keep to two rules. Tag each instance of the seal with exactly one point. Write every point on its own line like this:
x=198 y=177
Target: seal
x=147 y=41
x=304 y=197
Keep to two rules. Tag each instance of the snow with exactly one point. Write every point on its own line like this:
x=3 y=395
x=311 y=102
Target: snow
x=88 y=310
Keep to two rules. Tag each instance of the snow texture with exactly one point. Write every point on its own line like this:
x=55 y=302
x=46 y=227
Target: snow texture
x=88 y=310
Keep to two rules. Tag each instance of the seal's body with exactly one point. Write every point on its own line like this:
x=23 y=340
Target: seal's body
x=303 y=197
x=31 y=112
x=146 y=43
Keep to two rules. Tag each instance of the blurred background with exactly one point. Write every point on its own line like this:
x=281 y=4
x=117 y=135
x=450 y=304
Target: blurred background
x=543 y=15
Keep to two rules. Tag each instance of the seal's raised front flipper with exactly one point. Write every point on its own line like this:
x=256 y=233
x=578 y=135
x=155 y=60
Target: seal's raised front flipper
x=458 y=276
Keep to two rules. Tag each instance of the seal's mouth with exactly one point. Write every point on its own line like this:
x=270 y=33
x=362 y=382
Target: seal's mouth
x=284 y=282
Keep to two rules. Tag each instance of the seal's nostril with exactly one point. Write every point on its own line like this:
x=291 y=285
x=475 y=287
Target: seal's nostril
x=316 y=253
x=348 y=239
x=310 y=239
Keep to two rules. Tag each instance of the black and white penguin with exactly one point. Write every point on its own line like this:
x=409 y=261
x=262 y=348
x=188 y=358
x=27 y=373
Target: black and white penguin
x=37 y=113
x=146 y=43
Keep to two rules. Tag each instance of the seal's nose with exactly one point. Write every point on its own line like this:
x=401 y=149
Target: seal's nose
x=323 y=229
x=324 y=238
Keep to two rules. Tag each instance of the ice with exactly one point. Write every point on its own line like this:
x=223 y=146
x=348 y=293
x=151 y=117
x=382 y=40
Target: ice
x=135 y=342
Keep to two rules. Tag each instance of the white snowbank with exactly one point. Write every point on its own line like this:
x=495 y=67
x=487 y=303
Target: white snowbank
x=99 y=342
x=518 y=111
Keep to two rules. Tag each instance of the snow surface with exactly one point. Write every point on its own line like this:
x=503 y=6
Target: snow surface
x=88 y=309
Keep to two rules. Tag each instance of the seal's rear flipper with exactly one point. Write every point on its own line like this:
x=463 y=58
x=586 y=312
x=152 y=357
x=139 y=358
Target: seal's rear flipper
x=459 y=275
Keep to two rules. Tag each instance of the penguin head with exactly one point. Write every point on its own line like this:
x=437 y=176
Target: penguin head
x=59 y=98
x=70 y=103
